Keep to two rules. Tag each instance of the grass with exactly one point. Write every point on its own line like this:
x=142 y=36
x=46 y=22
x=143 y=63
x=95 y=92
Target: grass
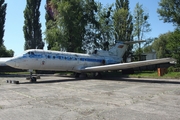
x=154 y=74
x=175 y=75
x=144 y=74
x=147 y=74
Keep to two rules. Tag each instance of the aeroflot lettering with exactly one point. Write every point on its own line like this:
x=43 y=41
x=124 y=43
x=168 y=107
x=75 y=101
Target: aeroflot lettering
x=60 y=57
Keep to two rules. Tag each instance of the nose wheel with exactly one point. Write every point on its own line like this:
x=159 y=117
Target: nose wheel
x=32 y=79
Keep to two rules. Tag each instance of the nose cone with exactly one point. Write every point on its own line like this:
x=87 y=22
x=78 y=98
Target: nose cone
x=11 y=63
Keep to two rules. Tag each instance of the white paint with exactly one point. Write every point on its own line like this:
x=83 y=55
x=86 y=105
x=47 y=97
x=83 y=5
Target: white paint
x=36 y=59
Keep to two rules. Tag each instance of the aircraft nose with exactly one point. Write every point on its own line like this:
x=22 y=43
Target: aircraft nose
x=11 y=63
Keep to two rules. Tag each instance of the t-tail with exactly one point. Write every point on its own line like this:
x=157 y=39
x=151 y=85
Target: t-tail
x=118 y=50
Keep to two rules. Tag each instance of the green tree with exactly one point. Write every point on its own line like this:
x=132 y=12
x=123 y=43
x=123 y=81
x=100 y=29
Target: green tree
x=159 y=45
x=123 y=24
x=68 y=27
x=173 y=45
x=168 y=45
x=148 y=45
x=106 y=29
x=6 y=53
x=32 y=26
x=99 y=34
x=52 y=32
x=72 y=24
x=3 y=51
x=169 y=11
x=90 y=36
x=141 y=25
x=148 y=49
x=2 y=20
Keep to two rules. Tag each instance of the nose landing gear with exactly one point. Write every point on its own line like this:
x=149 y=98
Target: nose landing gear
x=31 y=78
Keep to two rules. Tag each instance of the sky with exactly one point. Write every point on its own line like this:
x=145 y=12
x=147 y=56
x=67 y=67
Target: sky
x=14 y=36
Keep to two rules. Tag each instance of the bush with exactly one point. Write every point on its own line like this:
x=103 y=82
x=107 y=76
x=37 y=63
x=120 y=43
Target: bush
x=6 y=53
x=171 y=69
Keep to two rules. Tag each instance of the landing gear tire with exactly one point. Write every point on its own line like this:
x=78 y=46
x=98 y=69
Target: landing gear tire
x=81 y=75
x=77 y=75
x=33 y=79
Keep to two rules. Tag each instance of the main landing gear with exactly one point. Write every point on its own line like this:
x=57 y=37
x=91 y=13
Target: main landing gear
x=96 y=75
x=81 y=75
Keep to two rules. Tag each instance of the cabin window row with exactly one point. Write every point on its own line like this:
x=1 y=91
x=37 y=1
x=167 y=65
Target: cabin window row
x=60 y=57
x=32 y=55
x=73 y=58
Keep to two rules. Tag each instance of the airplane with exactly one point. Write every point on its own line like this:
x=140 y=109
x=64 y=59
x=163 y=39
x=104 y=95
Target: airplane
x=3 y=61
x=37 y=59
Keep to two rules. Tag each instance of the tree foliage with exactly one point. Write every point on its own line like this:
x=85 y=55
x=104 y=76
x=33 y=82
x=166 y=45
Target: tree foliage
x=174 y=45
x=167 y=45
x=6 y=53
x=100 y=36
x=3 y=51
x=32 y=26
x=123 y=24
x=2 y=20
x=159 y=45
x=68 y=27
x=169 y=11
x=141 y=25
x=90 y=36
x=73 y=26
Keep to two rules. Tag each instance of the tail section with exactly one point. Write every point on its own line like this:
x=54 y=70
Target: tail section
x=120 y=48
x=117 y=51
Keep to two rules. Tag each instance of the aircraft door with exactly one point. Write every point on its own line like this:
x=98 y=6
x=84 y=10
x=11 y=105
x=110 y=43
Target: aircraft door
x=43 y=61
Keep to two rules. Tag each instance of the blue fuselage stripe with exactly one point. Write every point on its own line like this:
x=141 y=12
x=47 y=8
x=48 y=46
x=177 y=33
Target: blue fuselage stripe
x=61 y=57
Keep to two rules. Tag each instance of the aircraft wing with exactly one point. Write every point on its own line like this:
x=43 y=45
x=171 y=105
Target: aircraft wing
x=121 y=66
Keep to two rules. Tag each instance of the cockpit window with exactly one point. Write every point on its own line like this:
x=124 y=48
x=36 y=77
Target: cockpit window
x=30 y=53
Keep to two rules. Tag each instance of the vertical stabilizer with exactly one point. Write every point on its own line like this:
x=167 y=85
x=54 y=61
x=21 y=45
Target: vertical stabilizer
x=119 y=49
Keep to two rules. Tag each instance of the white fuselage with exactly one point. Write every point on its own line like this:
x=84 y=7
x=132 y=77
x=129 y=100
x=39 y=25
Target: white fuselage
x=58 y=61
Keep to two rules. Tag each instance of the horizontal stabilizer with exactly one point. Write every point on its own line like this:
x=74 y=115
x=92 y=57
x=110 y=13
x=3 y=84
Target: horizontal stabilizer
x=121 y=66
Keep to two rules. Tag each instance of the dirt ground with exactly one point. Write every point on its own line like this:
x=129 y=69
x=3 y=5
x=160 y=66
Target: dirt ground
x=63 y=98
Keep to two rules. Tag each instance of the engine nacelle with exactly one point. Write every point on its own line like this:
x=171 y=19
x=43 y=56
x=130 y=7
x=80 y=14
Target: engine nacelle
x=108 y=61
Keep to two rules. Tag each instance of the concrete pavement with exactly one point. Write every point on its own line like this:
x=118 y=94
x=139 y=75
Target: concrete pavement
x=62 y=98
